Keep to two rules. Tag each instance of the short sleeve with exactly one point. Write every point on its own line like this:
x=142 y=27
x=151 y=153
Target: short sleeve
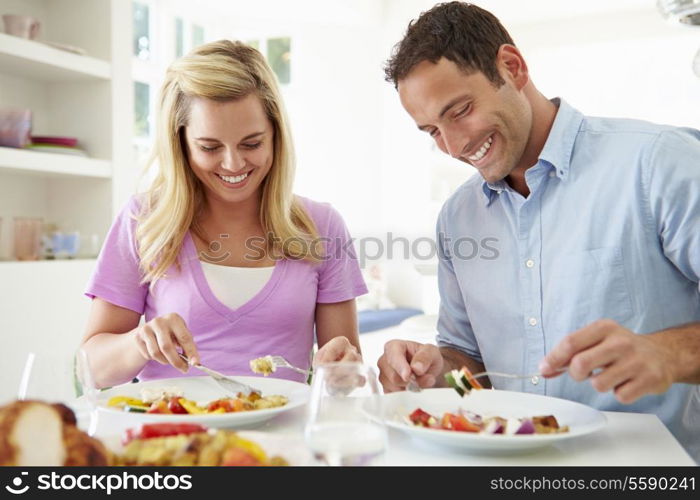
x=117 y=277
x=340 y=278
x=673 y=183
x=454 y=328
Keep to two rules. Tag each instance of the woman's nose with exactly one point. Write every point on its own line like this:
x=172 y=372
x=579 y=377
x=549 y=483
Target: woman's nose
x=233 y=161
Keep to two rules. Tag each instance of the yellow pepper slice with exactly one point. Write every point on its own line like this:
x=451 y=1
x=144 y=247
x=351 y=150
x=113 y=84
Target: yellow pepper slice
x=249 y=446
x=125 y=400
x=191 y=406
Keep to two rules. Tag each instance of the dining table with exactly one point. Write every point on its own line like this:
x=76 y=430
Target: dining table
x=627 y=439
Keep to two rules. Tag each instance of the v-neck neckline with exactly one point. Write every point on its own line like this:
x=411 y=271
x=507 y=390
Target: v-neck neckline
x=208 y=295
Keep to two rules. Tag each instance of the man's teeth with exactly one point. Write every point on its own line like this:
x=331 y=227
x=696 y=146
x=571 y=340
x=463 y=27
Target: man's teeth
x=482 y=150
x=234 y=180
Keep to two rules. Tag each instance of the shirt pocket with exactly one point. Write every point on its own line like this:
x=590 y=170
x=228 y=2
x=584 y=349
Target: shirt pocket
x=588 y=286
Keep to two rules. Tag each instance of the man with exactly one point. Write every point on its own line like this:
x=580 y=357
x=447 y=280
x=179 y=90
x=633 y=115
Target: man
x=598 y=229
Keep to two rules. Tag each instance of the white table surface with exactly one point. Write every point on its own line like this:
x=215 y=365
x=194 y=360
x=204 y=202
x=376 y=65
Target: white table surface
x=629 y=439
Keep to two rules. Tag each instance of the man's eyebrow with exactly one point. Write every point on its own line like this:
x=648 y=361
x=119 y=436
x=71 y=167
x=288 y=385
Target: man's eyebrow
x=445 y=109
x=450 y=104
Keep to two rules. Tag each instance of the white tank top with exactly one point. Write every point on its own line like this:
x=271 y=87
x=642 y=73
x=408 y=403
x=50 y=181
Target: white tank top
x=234 y=286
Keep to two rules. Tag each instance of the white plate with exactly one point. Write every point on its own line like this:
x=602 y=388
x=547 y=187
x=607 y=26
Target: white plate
x=202 y=389
x=291 y=448
x=581 y=419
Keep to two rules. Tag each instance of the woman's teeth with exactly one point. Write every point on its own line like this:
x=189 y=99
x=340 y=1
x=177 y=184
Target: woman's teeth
x=234 y=180
x=482 y=150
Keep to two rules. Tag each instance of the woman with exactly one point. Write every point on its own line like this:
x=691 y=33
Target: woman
x=222 y=260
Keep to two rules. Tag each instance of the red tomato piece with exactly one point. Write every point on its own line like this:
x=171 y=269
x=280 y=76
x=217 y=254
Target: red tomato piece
x=175 y=407
x=420 y=417
x=164 y=429
x=452 y=422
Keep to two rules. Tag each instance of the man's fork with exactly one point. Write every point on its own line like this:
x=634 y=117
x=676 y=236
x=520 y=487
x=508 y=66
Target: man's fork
x=414 y=387
x=514 y=375
x=228 y=383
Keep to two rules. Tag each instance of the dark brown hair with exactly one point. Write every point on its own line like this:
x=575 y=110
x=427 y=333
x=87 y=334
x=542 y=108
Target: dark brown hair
x=463 y=33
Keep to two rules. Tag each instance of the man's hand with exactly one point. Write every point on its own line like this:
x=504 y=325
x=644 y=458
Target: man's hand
x=403 y=357
x=616 y=359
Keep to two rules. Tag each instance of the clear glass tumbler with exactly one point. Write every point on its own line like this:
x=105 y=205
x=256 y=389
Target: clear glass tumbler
x=27 y=238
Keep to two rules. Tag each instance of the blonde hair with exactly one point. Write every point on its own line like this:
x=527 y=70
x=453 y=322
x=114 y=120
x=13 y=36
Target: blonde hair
x=222 y=71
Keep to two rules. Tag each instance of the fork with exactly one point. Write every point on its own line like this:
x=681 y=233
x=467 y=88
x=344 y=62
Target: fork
x=414 y=387
x=515 y=375
x=280 y=362
x=230 y=384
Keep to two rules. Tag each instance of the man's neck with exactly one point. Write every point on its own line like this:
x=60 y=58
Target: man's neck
x=543 y=113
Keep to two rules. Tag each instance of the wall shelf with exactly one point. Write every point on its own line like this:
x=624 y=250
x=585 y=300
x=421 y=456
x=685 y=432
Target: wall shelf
x=52 y=165
x=38 y=61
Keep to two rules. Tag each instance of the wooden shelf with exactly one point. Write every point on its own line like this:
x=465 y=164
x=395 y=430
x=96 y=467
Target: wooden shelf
x=52 y=164
x=25 y=264
x=27 y=58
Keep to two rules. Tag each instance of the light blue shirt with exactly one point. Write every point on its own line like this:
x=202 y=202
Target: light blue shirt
x=611 y=229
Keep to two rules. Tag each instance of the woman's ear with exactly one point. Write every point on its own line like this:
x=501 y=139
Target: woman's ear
x=512 y=66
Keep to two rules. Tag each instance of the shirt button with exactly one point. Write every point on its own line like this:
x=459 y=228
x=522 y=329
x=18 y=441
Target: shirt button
x=535 y=380
x=532 y=321
x=530 y=263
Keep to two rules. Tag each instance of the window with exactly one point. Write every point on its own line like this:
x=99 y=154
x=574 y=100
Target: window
x=142 y=109
x=179 y=37
x=279 y=57
x=278 y=52
x=197 y=35
x=142 y=31
x=185 y=32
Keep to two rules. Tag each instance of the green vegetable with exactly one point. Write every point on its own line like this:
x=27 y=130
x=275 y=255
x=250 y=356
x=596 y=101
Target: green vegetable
x=135 y=409
x=452 y=382
x=465 y=381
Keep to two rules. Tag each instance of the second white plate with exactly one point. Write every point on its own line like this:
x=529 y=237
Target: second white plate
x=581 y=419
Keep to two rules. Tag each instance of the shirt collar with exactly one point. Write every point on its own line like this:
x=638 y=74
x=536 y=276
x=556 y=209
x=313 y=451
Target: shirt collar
x=557 y=149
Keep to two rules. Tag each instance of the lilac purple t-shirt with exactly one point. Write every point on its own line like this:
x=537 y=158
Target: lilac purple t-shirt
x=279 y=319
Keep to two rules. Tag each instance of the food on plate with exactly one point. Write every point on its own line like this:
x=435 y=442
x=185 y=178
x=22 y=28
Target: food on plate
x=170 y=401
x=465 y=421
x=170 y=444
x=462 y=381
x=264 y=365
x=35 y=433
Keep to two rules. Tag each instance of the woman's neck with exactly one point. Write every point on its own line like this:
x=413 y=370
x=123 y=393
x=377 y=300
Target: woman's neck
x=219 y=215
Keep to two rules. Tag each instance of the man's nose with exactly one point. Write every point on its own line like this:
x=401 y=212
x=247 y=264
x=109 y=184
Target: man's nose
x=453 y=143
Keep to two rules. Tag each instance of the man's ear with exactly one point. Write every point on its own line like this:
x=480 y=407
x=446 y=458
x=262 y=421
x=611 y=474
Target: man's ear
x=512 y=66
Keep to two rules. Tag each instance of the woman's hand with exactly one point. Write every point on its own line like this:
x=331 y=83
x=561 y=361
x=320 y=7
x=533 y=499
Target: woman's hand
x=159 y=339
x=335 y=350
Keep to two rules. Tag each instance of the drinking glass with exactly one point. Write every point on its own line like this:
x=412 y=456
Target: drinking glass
x=345 y=424
x=27 y=238
x=88 y=388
